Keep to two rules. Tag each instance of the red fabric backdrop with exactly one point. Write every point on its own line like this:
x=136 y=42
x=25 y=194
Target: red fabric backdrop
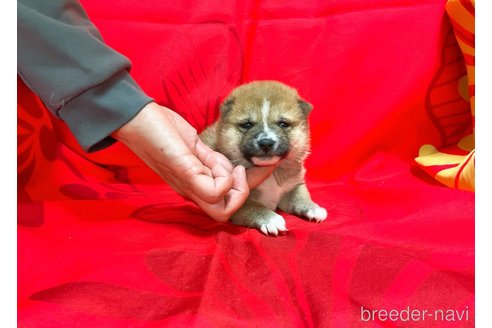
x=102 y=242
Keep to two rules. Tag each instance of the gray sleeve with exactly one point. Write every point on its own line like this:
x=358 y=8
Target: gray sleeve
x=62 y=58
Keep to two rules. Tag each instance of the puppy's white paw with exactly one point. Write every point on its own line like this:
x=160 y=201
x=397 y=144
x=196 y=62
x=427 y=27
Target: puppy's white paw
x=273 y=225
x=318 y=214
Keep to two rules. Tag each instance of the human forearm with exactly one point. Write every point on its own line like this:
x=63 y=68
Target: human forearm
x=63 y=59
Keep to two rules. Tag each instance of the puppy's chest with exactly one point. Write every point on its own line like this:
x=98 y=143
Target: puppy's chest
x=271 y=191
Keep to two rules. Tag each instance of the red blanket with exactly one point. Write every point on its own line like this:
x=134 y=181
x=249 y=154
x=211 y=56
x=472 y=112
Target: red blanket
x=103 y=242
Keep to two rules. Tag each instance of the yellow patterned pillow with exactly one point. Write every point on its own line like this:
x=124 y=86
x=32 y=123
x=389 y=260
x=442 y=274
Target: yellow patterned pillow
x=454 y=166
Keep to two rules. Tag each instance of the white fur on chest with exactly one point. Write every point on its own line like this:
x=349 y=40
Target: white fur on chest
x=269 y=192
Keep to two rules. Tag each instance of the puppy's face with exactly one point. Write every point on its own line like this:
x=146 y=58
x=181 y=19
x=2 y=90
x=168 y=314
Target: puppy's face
x=262 y=123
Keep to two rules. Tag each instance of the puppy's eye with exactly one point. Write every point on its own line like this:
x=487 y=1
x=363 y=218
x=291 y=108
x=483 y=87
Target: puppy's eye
x=283 y=124
x=246 y=125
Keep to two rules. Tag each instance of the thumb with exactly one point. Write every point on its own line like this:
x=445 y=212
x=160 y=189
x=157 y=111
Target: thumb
x=257 y=174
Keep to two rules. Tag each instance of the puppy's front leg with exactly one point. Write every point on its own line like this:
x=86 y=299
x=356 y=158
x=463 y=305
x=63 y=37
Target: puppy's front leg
x=298 y=201
x=255 y=215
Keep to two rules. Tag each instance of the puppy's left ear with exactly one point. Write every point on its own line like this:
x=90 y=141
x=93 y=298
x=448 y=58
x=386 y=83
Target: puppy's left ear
x=305 y=106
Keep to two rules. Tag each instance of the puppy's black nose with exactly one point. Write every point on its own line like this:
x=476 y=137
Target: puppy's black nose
x=266 y=144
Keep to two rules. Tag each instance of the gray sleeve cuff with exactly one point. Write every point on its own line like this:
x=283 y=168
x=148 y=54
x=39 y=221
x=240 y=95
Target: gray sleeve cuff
x=98 y=112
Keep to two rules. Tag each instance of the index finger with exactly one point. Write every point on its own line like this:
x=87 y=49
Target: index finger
x=209 y=157
x=233 y=200
x=210 y=188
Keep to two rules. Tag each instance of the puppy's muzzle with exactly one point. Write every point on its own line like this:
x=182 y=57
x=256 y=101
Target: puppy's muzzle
x=264 y=149
x=266 y=144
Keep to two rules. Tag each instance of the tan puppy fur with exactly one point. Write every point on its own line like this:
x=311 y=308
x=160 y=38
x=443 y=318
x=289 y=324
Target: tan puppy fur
x=265 y=123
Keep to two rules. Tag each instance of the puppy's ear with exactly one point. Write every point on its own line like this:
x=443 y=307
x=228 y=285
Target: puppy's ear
x=227 y=105
x=305 y=106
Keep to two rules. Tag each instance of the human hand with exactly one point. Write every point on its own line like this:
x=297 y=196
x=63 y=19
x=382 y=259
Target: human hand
x=170 y=146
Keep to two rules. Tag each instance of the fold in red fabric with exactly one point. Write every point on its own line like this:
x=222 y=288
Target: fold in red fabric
x=103 y=242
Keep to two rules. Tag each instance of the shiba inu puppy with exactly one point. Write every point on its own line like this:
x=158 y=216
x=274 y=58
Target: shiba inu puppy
x=265 y=123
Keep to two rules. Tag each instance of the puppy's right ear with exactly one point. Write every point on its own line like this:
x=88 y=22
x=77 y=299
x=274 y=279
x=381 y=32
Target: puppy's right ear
x=227 y=105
